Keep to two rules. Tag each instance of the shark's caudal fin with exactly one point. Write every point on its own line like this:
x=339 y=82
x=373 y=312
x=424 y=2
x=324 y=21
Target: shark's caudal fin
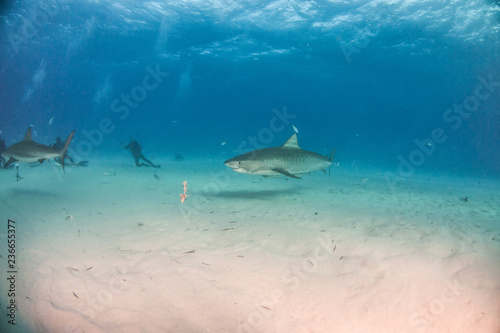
x=332 y=154
x=330 y=157
x=62 y=151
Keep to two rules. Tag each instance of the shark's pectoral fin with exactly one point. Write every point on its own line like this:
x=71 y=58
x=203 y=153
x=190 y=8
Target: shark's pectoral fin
x=41 y=160
x=9 y=162
x=286 y=173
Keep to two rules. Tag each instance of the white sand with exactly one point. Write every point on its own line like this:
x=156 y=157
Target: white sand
x=344 y=253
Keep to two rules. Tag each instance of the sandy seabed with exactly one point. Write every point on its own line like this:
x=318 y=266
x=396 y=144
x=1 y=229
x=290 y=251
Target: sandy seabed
x=110 y=248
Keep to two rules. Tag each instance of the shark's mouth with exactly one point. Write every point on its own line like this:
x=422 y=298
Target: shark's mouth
x=237 y=168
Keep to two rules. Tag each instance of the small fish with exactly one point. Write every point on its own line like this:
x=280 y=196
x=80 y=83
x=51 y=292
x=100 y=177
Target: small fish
x=109 y=173
x=223 y=143
x=295 y=129
x=157 y=177
x=51 y=120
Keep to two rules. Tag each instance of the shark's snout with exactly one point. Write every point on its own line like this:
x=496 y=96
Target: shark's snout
x=232 y=163
x=235 y=165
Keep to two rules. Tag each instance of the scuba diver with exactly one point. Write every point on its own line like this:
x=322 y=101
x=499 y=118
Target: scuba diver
x=136 y=150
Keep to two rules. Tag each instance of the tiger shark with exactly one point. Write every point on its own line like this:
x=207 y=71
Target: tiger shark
x=30 y=151
x=288 y=159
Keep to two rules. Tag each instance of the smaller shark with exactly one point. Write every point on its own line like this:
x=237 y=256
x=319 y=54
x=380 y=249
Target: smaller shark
x=288 y=159
x=30 y=151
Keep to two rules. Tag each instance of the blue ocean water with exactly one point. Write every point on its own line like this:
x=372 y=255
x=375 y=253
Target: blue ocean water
x=404 y=86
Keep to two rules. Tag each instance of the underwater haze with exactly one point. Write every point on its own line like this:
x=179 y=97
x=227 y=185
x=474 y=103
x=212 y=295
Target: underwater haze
x=376 y=208
x=370 y=77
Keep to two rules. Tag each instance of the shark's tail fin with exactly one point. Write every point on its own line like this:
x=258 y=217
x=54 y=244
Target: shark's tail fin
x=331 y=154
x=331 y=159
x=62 y=151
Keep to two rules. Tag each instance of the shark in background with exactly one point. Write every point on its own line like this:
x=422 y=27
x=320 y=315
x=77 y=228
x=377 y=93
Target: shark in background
x=30 y=151
x=288 y=159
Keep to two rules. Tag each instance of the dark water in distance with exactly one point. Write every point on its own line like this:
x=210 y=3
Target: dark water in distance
x=387 y=83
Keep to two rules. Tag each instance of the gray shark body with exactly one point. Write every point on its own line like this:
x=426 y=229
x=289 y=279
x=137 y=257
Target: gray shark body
x=288 y=159
x=30 y=151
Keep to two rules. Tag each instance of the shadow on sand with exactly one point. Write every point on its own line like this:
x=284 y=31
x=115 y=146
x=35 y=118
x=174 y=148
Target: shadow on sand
x=260 y=195
x=34 y=194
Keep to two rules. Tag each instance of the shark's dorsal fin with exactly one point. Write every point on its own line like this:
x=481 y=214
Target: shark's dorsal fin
x=292 y=142
x=27 y=137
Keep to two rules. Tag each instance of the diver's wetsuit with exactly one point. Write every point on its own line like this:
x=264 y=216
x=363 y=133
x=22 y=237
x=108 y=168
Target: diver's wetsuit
x=136 y=150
